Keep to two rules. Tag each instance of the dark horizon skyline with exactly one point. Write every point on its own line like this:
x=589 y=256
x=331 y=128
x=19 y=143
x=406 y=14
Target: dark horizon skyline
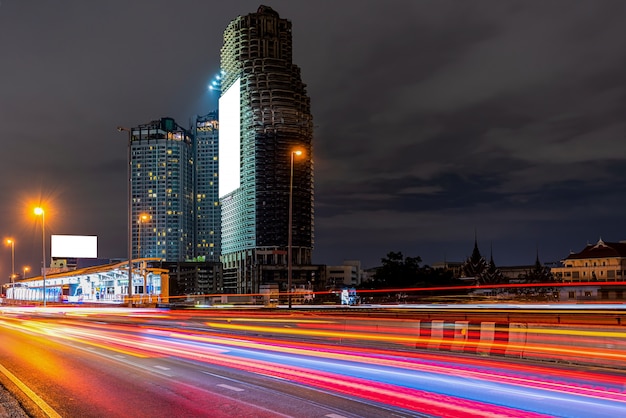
x=433 y=120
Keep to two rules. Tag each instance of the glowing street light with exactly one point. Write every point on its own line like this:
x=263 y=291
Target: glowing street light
x=289 y=262
x=26 y=270
x=11 y=242
x=130 y=215
x=142 y=219
x=40 y=212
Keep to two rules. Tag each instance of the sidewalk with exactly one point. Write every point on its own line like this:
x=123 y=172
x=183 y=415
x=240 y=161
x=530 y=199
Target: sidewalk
x=9 y=407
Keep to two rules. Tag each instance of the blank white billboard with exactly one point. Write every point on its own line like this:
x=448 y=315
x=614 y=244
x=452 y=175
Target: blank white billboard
x=229 y=139
x=74 y=246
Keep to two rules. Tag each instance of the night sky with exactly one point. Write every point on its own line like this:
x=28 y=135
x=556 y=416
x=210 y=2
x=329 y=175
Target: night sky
x=435 y=121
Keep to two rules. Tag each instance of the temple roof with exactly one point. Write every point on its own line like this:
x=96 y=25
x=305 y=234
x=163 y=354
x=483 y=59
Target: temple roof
x=600 y=250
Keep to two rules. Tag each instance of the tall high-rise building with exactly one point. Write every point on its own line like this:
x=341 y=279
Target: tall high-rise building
x=265 y=116
x=208 y=226
x=162 y=191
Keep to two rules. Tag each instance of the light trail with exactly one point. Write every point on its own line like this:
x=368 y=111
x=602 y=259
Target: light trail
x=439 y=384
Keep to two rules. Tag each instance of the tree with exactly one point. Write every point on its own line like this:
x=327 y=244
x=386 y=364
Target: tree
x=397 y=272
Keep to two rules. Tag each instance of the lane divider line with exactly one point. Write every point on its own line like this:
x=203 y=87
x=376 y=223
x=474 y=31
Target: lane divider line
x=225 y=386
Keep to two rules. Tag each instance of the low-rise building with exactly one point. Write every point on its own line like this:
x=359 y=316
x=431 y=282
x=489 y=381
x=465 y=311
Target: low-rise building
x=348 y=274
x=603 y=261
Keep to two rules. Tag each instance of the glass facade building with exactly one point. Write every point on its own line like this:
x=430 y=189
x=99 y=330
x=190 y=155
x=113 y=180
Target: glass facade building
x=207 y=211
x=162 y=206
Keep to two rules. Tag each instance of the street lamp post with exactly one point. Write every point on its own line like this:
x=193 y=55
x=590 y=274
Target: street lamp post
x=12 y=243
x=289 y=262
x=26 y=269
x=142 y=218
x=141 y=221
x=130 y=215
x=40 y=212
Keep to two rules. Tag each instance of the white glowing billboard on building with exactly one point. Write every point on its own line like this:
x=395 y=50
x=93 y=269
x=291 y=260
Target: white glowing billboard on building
x=74 y=246
x=229 y=139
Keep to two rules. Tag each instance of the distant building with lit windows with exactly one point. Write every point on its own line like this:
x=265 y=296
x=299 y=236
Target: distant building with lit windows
x=603 y=261
x=208 y=226
x=162 y=174
x=348 y=274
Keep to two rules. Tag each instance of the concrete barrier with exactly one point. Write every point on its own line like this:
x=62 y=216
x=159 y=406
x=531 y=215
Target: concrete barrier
x=586 y=345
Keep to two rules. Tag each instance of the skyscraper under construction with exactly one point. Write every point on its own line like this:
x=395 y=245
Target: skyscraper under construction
x=265 y=155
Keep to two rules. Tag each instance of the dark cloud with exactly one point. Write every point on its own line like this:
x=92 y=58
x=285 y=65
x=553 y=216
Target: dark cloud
x=434 y=119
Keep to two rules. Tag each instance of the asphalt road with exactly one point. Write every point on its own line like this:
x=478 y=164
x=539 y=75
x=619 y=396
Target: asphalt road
x=85 y=370
x=143 y=363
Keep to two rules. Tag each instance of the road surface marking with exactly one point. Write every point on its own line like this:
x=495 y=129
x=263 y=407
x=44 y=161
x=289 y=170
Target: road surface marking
x=230 y=387
x=164 y=370
x=47 y=409
x=334 y=416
